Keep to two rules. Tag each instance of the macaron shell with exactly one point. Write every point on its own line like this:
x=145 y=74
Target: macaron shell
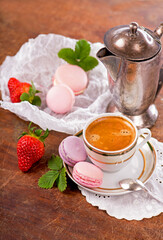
x=67 y=160
x=87 y=174
x=60 y=99
x=74 y=148
x=85 y=181
x=73 y=76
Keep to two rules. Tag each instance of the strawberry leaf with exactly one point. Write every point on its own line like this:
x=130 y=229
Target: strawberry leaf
x=24 y=133
x=36 y=101
x=30 y=96
x=42 y=138
x=38 y=132
x=48 y=179
x=29 y=126
x=31 y=92
x=31 y=130
x=33 y=87
x=55 y=163
x=24 y=97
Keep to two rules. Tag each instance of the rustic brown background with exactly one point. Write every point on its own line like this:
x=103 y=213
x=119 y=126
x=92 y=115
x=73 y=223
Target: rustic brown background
x=26 y=211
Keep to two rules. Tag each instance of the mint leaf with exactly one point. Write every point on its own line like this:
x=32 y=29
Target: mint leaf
x=24 y=97
x=68 y=55
x=48 y=179
x=88 y=63
x=57 y=174
x=62 y=181
x=55 y=163
x=80 y=56
x=82 y=49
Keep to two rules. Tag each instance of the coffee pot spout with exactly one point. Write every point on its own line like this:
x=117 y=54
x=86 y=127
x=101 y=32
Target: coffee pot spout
x=110 y=61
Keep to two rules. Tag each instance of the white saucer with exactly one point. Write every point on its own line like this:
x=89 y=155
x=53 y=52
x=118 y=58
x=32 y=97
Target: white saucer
x=140 y=167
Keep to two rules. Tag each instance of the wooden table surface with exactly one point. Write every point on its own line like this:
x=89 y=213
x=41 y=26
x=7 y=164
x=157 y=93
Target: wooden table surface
x=26 y=211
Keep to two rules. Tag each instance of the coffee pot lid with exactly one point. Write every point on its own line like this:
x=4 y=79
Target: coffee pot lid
x=132 y=42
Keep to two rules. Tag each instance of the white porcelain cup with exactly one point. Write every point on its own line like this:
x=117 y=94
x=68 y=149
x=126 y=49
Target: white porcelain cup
x=112 y=161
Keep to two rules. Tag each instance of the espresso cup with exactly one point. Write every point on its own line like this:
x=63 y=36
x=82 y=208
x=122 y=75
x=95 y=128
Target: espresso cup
x=111 y=140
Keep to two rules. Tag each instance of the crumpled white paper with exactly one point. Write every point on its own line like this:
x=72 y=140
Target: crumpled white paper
x=37 y=61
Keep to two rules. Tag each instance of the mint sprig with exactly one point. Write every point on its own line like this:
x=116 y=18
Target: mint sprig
x=62 y=181
x=48 y=179
x=57 y=175
x=79 y=56
x=30 y=96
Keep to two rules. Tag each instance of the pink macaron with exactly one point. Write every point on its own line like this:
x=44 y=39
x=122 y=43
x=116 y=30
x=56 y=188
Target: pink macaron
x=60 y=98
x=87 y=174
x=71 y=75
x=72 y=150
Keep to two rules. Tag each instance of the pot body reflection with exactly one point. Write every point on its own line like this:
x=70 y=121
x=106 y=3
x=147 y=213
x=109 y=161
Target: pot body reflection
x=133 y=84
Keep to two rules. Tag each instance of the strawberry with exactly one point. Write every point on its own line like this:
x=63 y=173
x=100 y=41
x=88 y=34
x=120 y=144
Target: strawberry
x=16 y=89
x=30 y=147
x=23 y=91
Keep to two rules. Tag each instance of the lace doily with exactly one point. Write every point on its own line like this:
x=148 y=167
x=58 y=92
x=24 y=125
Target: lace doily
x=37 y=61
x=135 y=205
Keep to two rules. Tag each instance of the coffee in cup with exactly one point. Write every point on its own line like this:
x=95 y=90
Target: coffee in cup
x=111 y=140
x=110 y=133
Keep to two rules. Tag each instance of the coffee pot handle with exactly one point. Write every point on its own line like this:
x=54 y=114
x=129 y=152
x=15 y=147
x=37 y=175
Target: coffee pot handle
x=160 y=83
x=159 y=31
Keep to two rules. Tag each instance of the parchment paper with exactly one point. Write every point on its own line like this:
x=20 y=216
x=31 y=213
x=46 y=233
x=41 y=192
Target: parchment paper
x=37 y=61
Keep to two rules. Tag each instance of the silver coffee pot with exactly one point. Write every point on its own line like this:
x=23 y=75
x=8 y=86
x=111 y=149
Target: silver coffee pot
x=132 y=57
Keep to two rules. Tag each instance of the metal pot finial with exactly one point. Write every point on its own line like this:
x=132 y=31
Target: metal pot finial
x=133 y=28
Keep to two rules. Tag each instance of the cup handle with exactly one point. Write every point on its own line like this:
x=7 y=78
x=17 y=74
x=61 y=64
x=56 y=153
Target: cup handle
x=144 y=131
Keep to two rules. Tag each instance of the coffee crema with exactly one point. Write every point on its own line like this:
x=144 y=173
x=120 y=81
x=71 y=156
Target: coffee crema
x=110 y=133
